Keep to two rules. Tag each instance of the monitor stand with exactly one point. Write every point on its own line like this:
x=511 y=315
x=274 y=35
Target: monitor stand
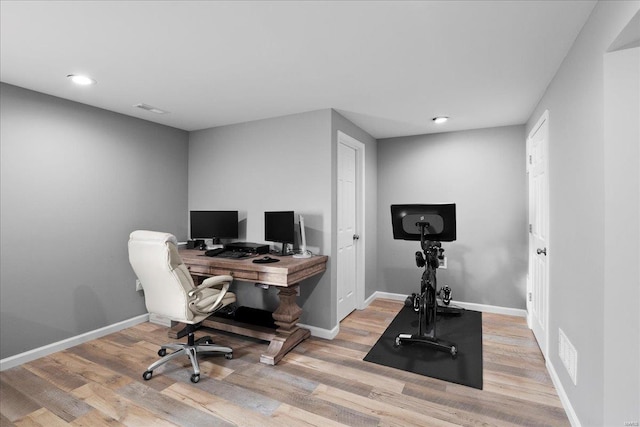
x=213 y=243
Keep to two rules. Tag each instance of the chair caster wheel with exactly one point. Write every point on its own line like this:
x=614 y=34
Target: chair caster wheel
x=454 y=352
x=147 y=375
x=228 y=356
x=162 y=352
x=195 y=378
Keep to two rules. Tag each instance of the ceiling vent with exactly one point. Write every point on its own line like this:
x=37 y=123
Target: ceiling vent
x=150 y=108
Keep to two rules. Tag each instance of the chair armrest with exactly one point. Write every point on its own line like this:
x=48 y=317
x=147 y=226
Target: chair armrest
x=211 y=282
x=221 y=282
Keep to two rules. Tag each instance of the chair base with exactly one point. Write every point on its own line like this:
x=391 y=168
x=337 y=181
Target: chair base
x=191 y=349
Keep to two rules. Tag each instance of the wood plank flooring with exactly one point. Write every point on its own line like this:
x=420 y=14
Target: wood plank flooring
x=320 y=383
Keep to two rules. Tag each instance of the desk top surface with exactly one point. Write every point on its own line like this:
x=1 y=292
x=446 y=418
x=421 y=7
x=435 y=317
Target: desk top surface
x=286 y=272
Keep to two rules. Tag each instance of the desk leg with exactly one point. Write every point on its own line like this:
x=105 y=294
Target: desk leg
x=288 y=334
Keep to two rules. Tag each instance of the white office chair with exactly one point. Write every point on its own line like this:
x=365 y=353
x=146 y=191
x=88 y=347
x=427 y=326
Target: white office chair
x=170 y=292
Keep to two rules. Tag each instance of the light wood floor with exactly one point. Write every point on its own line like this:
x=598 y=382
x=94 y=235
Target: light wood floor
x=320 y=383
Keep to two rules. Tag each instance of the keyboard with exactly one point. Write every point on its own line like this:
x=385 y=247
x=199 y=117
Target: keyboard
x=214 y=252
x=224 y=253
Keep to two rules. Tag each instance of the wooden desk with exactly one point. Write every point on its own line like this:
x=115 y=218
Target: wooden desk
x=285 y=274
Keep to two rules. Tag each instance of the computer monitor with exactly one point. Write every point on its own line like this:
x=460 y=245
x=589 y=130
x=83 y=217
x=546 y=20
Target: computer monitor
x=214 y=225
x=279 y=227
x=441 y=221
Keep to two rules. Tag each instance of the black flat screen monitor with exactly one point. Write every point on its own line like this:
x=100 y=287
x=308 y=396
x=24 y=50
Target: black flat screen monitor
x=214 y=225
x=441 y=221
x=279 y=227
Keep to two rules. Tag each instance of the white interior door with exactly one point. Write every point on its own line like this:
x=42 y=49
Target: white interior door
x=347 y=229
x=538 y=293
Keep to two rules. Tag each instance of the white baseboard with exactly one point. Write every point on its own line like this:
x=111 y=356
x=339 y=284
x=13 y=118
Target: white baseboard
x=564 y=399
x=468 y=305
x=492 y=309
x=386 y=295
x=327 y=334
x=36 y=353
x=368 y=301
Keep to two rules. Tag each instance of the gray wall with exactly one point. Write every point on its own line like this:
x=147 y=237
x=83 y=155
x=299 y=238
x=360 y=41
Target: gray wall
x=622 y=235
x=283 y=163
x=75 y=181
x=275 y=164
x=582 y=296
x=483 y=172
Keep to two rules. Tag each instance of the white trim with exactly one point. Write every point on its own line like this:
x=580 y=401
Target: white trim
x=544 y=117
x=496 y=309
x=36 y=353
x=327 y=334
x=386 y=295
x=371 y=298
x=564 y=399
x=467 y=305
x=359 y=148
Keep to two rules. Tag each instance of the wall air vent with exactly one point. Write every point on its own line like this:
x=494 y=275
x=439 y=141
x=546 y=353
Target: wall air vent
x=150 y=108
x=568 y=356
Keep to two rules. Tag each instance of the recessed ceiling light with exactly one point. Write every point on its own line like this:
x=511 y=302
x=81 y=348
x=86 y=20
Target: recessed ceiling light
x=440 y=119
x=81 y=80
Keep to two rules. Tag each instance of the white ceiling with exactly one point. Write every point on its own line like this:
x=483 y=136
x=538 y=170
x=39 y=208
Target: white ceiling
x=387 y=66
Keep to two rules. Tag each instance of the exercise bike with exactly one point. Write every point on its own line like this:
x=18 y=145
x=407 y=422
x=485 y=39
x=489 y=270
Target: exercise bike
x=426 y=302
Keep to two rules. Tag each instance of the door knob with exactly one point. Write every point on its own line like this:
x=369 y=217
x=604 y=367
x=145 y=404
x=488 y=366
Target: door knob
x=541 y=251
x=356 y=236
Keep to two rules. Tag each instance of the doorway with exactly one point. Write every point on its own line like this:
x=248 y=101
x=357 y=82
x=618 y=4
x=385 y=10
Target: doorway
x=350 y=223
